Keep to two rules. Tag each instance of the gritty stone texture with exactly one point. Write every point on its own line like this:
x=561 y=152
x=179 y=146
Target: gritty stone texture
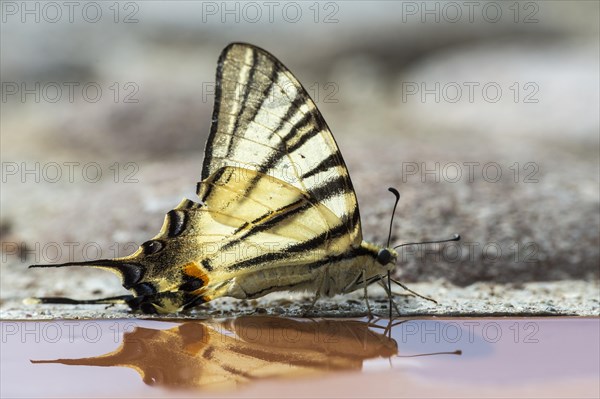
x=564 y=298
x=531 y=236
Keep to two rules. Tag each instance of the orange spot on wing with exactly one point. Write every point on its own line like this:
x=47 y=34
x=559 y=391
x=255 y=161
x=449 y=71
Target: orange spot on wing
x=192 y=269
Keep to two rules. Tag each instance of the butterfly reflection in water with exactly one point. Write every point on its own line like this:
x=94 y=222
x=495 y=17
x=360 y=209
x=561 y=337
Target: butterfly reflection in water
x=277 y=209
x=211 y=355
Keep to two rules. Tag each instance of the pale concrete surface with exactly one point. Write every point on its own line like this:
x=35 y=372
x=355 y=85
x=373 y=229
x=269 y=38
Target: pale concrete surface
x=564 y=298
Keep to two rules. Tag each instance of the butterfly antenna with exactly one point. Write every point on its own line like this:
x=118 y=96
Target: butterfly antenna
x=397 y=194
x=389 y=274
x=456 y=352
x=455 y=237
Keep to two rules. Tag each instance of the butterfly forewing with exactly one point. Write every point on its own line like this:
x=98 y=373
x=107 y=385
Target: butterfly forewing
x=264 y=120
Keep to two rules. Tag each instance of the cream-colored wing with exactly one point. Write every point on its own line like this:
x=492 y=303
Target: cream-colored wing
x=273 y=225
x=264 y=120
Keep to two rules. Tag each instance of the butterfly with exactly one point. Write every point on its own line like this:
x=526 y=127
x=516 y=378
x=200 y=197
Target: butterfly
x=276 y=210
x=232 y=352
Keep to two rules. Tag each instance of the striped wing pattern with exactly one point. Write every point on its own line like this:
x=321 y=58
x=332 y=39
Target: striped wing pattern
x=264 y=120
x=274 y=227
x=277 y=202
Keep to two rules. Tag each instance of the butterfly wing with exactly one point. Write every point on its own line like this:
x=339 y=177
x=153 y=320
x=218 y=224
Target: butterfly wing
x=274 y=226
x=264 y=120
x=275 y=194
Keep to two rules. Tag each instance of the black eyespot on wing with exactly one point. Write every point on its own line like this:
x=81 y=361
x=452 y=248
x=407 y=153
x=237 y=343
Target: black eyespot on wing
x=153 y=246
x=177 y=222
x=144 y=289
x=132 y=273
x=191 y=285
x=384 y=256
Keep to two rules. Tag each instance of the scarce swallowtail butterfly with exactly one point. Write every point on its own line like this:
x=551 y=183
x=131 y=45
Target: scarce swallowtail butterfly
x=277 y=209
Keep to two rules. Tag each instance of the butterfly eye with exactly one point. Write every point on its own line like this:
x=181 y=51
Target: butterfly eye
x=384 y=256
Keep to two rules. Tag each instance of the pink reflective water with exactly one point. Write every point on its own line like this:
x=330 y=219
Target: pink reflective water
x=277 y=357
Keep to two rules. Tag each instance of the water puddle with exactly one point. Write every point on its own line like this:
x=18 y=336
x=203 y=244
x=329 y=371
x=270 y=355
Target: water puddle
x=258 y=356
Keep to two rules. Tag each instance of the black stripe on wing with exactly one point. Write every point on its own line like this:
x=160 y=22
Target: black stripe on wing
x=261 y=72
x=307 y=245
x=311 y=128
x=331 y=161
x=270 y=219
x=247 y=89
x=214 y=127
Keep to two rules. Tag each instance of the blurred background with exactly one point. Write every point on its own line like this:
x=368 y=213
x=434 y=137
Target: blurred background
x=484 y=115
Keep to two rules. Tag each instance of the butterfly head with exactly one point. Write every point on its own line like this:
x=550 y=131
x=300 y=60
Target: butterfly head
x=386 y=256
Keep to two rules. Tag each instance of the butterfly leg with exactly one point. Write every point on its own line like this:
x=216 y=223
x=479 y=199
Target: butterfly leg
x=318 y=294
x=390 y=295
x=312 y=304
x=413 y=292
x=387 y=330
x=367 y=296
